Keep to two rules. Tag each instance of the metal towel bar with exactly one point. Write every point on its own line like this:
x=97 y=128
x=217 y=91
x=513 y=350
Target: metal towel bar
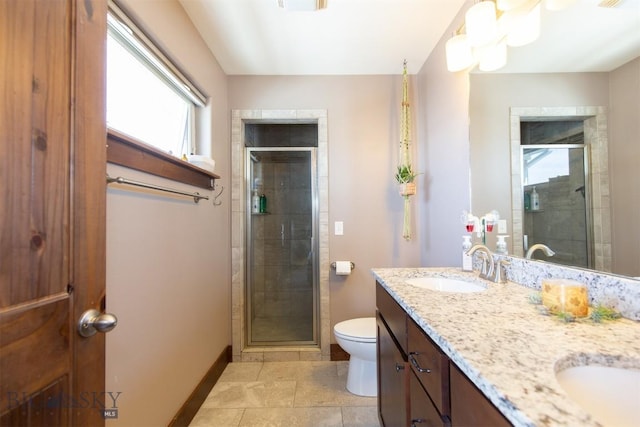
x=121 y=180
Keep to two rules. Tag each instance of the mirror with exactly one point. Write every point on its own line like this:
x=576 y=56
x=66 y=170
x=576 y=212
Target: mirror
x=585 y=66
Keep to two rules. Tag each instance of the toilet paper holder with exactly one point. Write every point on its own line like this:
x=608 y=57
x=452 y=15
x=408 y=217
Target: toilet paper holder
x=333 y=265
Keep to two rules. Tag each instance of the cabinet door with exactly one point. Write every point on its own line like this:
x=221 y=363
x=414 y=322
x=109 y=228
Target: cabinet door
x=430 y=365
x=393 y=393
x=469 y=407
x=423 y=412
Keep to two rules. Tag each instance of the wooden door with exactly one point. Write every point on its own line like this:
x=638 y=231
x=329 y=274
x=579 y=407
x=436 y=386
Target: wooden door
x=52 y=217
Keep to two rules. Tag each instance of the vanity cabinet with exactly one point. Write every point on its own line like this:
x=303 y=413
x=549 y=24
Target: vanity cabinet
x=469 y=407
x=393 y=369
x=418 y=386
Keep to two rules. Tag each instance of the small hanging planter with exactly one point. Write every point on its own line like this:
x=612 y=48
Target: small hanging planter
x=407 y=189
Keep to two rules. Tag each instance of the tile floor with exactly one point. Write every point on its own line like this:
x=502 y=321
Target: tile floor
x=291 y=394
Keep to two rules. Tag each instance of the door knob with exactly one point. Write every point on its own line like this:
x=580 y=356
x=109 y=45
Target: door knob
x=93 y=321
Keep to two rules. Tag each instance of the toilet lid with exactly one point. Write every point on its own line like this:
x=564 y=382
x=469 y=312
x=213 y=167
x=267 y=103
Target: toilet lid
x=362 y=329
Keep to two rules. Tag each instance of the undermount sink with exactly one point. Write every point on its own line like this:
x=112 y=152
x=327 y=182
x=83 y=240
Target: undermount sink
x=442 y=284
x=610 y=395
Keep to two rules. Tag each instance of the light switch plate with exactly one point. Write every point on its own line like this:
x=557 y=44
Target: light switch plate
x=338 y=228
x=502 y=226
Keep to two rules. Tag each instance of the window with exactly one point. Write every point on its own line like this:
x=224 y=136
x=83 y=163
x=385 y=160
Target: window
x=148 y=98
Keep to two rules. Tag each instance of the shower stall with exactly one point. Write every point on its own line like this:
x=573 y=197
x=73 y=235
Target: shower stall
x=282 y=299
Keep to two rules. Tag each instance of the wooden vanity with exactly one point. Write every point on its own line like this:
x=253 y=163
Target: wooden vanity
x=418 y=385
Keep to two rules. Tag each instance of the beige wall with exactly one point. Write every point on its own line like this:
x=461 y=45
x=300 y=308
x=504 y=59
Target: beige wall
x=168 y=261
x=443 y=144
x=624 y=153
x=363 y=138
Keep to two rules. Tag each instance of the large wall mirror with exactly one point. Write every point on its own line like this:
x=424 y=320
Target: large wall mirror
x=584 y=68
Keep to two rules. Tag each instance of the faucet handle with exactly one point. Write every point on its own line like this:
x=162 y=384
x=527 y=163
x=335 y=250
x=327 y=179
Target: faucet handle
x=501 y=271
x=486 y=271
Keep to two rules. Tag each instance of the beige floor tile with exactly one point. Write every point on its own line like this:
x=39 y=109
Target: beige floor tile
x=210 y=417
x=272 y=371
x=328 y=391
x=292 y=417
x=241 y=371
x=360 y=416
x=251 y=394
x=291 y=394
x=343 y=368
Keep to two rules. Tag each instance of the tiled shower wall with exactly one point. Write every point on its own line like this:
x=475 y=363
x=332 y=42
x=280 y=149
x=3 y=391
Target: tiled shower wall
x=595 y=135
x=239 y=205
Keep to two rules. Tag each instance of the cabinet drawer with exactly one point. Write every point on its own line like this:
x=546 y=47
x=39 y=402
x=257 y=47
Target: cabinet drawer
x=430 y=365
x=423 y=413
x=469 y=407
x=393 y=315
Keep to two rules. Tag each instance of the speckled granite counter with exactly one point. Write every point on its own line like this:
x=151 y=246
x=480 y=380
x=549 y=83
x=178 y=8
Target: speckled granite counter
x=509 y=350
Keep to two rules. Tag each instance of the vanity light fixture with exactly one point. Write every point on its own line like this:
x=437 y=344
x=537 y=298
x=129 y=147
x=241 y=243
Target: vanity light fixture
x=492 y=25
x=302 y=5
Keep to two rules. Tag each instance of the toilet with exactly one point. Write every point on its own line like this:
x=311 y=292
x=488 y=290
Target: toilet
x=358 y=338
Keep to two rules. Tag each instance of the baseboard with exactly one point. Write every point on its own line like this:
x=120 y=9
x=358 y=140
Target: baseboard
x=190 y=408
x=337 y=353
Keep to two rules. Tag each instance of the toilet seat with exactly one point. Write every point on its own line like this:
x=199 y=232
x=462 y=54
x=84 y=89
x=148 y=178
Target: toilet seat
x=363 y=329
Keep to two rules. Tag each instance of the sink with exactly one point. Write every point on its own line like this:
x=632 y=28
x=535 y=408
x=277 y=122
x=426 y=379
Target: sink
x=610 y=394
x=446 y=285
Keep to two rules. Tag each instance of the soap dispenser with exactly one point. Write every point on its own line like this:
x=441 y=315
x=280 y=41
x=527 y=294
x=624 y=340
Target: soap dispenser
x=467 y=260
x=501 y=245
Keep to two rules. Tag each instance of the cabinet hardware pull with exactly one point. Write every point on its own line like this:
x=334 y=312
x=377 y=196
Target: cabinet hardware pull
x=418 y=421
x=415 y=364
x=399 y=367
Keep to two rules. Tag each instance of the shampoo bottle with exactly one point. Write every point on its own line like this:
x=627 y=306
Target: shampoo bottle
x=262 y=201
x=535 y=200
x=467 y=260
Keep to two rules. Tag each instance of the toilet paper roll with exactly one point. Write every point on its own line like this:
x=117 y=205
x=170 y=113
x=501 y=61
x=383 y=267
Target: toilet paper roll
x=343 y=268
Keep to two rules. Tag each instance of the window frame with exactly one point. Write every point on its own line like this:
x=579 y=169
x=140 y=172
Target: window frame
x=128 y=151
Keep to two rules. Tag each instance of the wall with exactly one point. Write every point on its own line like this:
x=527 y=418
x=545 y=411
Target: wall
x=624 y=152
x=168 y=261
x=491 y=97
x=443 y=145
x=363 y=139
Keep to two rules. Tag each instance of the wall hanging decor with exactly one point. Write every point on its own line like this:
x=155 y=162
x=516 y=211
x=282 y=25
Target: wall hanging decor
x=405 y=175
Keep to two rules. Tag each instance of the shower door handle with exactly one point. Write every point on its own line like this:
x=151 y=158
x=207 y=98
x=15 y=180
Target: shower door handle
x=310 y=255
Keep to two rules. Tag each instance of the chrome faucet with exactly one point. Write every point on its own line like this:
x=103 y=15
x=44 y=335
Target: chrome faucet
x=544 y=248
x=487 y=260
x=491 y=270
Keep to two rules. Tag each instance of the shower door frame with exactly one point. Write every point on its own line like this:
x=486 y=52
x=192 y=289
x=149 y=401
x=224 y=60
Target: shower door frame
x=315 y=341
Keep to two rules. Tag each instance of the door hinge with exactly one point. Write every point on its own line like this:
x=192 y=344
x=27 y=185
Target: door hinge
x=69 y=288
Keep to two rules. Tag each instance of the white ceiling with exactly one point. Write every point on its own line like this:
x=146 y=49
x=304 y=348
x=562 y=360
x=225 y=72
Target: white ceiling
x=357 y=37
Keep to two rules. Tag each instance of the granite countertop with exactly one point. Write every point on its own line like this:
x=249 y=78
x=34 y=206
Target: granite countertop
x=507 y=348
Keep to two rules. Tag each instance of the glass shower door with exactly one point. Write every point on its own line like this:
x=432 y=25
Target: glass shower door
x=281 y=258
x=555 y=176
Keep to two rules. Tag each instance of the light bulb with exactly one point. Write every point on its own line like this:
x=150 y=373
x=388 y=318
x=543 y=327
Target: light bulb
x=480 y=23
x=458 y=52
x=494 y=57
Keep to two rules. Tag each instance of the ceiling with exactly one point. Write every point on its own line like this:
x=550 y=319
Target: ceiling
x=359 y=37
